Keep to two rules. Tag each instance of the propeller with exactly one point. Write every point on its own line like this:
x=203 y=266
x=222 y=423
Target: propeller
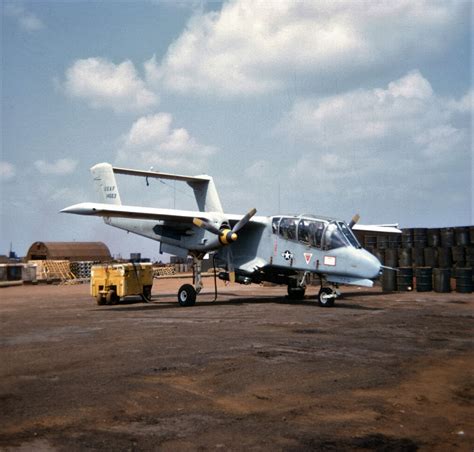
x=354 y=220
x=226 y=236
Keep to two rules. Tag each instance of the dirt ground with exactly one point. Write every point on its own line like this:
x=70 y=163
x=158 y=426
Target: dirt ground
x=252 y=371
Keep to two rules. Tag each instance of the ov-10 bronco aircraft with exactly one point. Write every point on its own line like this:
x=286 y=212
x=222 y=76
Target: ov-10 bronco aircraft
x=282 y=249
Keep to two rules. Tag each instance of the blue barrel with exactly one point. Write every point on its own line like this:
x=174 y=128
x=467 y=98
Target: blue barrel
x=447 y=237
x=407 y=238
x=391 y=257
x=442 y=280
x=433 y=238
x=394 y=241
x=424 y=279
x=459 y=256
x=445 y=259
x=382 y=242
x=418 y=257
x=404 y=257
x=461 y=236
x=389 y=280
x=419 y=238
x=431 y=257
x=405 y=279
x=464 y=280
x=370 y=242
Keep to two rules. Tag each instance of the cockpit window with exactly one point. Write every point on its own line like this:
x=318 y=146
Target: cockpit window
x=310 y=232
x=349 y=235
x=333 y=237
x=338 y=235
x=288 y=228
x=275 y=222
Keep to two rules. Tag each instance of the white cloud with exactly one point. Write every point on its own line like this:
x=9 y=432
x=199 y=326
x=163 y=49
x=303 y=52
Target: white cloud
x=59 y=167
x=7 y=171
x=382 y=144
x=103 y=84
x=27 y=21
x=254 y=46
x=152 y=141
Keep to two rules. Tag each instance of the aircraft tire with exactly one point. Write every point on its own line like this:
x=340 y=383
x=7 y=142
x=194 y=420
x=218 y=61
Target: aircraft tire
x=326 y=297
x=187 y=295
x=296 y=293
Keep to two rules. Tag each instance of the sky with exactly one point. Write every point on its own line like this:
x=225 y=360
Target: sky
x=323 y=107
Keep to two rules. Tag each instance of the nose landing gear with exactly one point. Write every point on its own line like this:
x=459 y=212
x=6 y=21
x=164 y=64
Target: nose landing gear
x=326 y=297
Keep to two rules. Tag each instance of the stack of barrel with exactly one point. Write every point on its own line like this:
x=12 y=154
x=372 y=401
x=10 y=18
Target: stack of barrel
x=438 y=259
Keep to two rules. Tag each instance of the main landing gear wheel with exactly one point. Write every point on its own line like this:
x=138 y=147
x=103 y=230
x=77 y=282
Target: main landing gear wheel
x=326 y=297
x=187 y=295
x=296 y=293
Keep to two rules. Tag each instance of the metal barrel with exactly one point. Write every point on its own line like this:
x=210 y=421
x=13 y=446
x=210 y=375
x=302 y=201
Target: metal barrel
x=462 y=236
x=404 y=257
x=459 y=256
x=391 y=257
x=382 y=242
x=464 y=280
x=444 y=258
x=405 y=279
x=431 y=257
x=394 y=241
x=380 y=255
x=370 y=241
x=419 y=238
x=432 y=237
x=418 y=257
x=424 y=279
x=470 y=256
x=389 y=280
x=407 y=238
x=447 y=237
x=442 y=280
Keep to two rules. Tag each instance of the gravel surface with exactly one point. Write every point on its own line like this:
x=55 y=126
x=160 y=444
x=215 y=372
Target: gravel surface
x=252 y=371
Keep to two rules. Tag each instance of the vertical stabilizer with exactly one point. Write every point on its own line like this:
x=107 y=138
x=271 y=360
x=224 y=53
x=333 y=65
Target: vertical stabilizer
x=206 y=195
x=105 y=184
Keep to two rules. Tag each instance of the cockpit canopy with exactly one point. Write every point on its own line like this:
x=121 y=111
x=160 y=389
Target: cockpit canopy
x=320 y=233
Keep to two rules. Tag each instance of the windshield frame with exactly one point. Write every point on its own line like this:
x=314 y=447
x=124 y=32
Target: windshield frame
x=337 y=234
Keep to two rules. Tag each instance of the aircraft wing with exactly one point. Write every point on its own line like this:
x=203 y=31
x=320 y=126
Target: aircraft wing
x=135 y=212
x=383 y=228
x=147 y=213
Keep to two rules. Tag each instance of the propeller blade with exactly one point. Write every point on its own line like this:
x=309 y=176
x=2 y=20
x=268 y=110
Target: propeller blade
x=206 y=225
x=244 y=220
x=354 y=220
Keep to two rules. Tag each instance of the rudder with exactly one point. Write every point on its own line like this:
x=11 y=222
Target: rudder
x=105 y=183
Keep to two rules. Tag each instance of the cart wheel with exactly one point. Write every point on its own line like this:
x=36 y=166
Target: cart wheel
x=100 y=299
x=146 y=295
x=112 y=297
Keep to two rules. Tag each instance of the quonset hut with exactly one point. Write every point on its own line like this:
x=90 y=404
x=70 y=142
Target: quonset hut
x=72 y=251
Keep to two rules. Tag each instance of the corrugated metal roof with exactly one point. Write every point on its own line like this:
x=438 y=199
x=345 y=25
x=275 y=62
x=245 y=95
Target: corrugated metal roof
x=69 y=250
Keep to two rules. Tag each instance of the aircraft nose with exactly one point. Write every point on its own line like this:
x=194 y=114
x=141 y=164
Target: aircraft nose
x=371 y=266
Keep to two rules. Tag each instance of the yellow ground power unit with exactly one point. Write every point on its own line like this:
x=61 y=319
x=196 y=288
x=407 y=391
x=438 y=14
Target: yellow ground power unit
x=110 y=282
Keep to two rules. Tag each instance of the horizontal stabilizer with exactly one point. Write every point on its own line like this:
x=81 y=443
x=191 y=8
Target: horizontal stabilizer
x=158 y=175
